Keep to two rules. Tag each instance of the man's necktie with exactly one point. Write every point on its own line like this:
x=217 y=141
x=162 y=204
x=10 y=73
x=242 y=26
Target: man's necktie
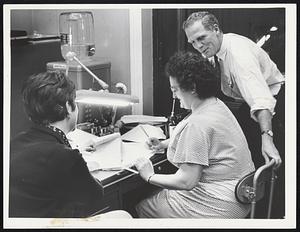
x=220 y=94
x=218 y=71
x=217 y=66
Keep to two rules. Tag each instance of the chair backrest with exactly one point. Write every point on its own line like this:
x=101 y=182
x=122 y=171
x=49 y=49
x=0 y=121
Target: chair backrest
x=251 y=188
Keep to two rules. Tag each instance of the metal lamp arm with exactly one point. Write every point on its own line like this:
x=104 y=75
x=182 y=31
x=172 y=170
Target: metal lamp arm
x=72 y=56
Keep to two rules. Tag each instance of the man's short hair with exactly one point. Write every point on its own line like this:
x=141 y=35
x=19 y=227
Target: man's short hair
x=208 y=20
x=45 y=96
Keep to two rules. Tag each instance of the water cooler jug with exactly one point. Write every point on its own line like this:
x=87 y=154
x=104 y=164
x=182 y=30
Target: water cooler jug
x=77 y=34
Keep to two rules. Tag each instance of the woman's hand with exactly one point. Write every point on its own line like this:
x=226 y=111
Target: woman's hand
x=155 y=145
x=145 y=167
x=90 y=148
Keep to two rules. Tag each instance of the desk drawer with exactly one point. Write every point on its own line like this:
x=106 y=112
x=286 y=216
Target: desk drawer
x=136 y=182
x=128 y=188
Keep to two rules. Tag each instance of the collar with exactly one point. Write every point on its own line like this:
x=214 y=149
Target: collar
x=222 y=52
x=54 y=131
x=61 y=134
x=204 y=104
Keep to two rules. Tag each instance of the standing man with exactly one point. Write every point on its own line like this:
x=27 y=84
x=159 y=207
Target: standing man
x=247 y=73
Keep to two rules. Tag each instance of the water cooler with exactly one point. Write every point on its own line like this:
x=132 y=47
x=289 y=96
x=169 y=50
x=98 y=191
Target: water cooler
x=77 y=36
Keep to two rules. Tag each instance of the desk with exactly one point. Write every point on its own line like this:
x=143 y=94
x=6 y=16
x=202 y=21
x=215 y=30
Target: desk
x=122 y=189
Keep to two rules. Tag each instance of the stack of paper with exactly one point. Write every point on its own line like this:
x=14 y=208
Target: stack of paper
x=143 y=119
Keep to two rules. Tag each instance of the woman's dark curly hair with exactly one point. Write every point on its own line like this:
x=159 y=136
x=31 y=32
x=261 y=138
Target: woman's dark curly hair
x=45 y=96
x=193 y=72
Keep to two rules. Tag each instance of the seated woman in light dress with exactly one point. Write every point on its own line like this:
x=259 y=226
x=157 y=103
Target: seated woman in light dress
x=208 y=147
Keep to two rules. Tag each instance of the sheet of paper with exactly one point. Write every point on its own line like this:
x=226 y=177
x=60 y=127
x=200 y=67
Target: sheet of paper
x=80 y=139
x=153 y=131
x=107 y=156
x=142 y=132
x=108 y=152
x=133 y=151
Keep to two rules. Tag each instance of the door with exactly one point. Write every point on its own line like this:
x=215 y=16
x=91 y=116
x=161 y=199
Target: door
x=166 y=34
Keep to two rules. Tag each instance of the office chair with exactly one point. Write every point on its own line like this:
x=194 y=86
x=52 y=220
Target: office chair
x=251 y=188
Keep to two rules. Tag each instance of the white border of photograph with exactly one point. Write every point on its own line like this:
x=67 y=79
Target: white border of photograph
x=290 y=99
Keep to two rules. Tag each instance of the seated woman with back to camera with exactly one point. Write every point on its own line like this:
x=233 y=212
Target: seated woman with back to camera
x=208 y=147
x=49 y=179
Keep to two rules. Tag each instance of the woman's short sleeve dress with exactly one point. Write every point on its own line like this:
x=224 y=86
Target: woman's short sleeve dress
x=210 y=137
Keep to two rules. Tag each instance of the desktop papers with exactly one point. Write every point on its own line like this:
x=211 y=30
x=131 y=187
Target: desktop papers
x=80 y=139
x=101 y=159
x=111 y=153
x=106 y=156
x=142 y=132
x=133 y=151
x=143 y=119
x=108 y=152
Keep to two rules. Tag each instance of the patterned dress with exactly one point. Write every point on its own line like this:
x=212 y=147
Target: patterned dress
x=210 y=137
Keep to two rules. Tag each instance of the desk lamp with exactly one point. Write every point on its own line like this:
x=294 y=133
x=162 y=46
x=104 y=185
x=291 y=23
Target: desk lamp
x=101 y=97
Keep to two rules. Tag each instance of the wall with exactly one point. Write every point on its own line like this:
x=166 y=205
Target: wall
x=21 y=20
x=111 y=34
x=112 y=40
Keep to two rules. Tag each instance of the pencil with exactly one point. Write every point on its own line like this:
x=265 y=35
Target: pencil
x=131 y=170
x=144 y=131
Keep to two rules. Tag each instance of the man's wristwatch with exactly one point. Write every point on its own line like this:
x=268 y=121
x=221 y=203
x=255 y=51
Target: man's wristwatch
x=268 y=132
